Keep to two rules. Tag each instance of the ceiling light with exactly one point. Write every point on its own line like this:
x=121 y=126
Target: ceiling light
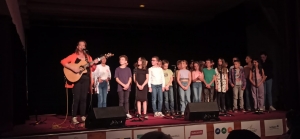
x=142 y=6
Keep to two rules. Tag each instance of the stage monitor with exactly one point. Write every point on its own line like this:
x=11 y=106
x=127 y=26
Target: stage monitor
x=108 y=117
x=201 y=111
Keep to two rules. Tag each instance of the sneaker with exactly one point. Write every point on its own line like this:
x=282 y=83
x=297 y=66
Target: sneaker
x=156 y=114
x=243 y=110
x=235 y=111
x=74 y=120
x=160 y=114
x=182 y=113
x=167 y=113
x=272 y=108
x=146 y=116
x=173 y=113
x=129 y=116
x=83 y=118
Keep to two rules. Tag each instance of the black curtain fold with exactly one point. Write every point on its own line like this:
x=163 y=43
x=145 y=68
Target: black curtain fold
x=291 y=52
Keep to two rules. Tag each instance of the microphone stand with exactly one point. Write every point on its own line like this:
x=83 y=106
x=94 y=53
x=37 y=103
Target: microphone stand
x=257 y=111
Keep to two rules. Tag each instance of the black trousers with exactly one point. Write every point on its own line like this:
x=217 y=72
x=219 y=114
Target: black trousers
x=80 y=90
x=221 y=100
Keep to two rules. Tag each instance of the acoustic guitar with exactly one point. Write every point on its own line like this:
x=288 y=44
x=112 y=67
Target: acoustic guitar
x=82 y=65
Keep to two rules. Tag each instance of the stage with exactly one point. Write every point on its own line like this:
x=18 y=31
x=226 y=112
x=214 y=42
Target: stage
x=46 y=130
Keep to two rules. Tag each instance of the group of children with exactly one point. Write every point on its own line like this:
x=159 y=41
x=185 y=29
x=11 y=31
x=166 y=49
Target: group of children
x=200 y=78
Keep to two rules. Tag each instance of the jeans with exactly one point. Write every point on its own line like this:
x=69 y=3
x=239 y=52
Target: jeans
x=185 y=96
x=169 y=96
x=248 y=95
x=238 y=93
x=157 y=93
x=268 y=92
x=197 y=91
x=102 y=87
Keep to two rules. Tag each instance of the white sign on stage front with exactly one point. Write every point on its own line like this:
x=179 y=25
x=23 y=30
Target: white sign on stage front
x=195 y=132
x=124 y=134
x=222 y=130
x=176 y=132
x=253 y=126
x=77 y=136
x=273 y=127
x=137 y=134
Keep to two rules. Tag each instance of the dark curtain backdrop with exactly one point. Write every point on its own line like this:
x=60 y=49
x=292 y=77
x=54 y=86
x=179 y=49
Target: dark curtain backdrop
x=222 y=37
x=291 y=52
x=13 y=103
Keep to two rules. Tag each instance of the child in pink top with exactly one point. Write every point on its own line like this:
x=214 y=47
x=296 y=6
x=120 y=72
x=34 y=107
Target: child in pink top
x=197 y=78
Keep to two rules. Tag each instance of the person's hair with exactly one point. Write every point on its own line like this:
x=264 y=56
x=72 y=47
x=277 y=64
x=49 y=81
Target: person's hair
x=236 y=58
x=165 y=62
x=184 y=61
x=249 y=56
x=259 y=66
x=124 y=56
x=77 y=50
x=222 y=67
x=155 y=135
x=144 y=63
x=293 y=118
x=178 y=62
x=263 y=53
x=225 y=64
x=200 y=64
x=237 y=61
x=242 y=134
x=156 y=57
x=209 y=60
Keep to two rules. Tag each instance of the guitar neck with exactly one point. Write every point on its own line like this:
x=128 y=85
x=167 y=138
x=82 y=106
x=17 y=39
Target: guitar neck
x=88 y=64
x=92 y=63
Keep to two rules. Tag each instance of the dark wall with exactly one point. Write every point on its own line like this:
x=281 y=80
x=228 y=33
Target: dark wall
x=224 y=36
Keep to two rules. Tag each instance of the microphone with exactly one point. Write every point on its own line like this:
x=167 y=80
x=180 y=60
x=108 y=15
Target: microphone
x=173 y=65
x=85 y=50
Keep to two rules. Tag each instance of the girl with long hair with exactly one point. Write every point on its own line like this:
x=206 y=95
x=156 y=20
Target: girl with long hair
x=197 y=79
x=221 y=83
x=257 y=78
x=140 y=78
x=83 y=85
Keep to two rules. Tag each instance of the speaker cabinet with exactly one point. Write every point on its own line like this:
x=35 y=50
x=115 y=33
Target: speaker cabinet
x=201 y=111
x=108 y=117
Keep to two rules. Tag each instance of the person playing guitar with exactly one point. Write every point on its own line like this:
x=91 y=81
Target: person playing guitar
x=81 y=87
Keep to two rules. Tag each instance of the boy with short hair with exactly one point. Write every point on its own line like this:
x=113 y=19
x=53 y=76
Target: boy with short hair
x=156 y=85
x=123 y=77
x=168 y=94
x=209 y=79
x=237 y=81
